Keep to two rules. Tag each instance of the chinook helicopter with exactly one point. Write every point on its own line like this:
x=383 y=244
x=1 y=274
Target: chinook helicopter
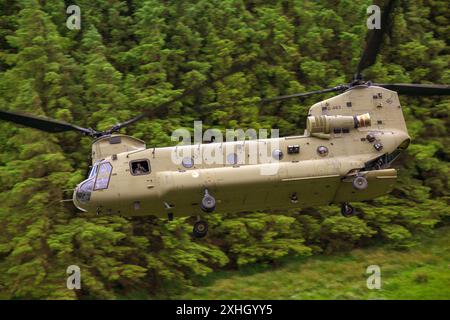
x=345 y=154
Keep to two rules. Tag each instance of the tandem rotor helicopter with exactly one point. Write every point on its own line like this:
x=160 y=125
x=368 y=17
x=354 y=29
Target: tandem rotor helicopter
x=345 y=155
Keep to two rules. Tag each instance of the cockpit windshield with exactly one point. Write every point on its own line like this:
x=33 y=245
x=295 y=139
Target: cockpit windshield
x=83 y=192
x=93 y=171
x=98 y=179
x=103 y=176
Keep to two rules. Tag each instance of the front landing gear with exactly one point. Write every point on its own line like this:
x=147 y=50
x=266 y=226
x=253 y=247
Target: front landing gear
x=347 y=210
x=208 y=203
x=200 y=229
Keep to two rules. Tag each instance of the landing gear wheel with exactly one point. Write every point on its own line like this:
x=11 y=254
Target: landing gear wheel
x=200 y=229
x=360 y=183
x=208 y=203
x=347 y=210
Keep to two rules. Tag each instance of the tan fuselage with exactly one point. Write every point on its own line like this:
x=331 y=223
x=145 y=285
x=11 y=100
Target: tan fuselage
x=304 y=179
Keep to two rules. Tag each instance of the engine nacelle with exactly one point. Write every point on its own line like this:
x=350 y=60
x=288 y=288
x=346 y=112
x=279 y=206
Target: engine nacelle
x=325 y=124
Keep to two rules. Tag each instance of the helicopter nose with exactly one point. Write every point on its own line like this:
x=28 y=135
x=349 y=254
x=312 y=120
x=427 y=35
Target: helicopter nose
x=82 y=194
x=405 y=144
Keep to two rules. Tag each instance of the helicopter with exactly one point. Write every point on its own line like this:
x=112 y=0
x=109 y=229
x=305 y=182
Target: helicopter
x=345 y=154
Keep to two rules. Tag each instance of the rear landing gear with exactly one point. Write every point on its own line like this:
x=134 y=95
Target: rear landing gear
x=200 y=229
x=360 y=183
x=347 y=210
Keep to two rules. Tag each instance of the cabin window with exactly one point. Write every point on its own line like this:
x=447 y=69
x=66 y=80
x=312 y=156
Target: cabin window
x=187 y=162
x=322 y=151
x=232 y=158
x=277 y=154
x=103 y=176
x=140 y=167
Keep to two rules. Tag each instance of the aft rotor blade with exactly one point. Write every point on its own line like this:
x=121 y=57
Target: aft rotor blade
x=374 y=39
x=417 y=89
x=304 y=94
x=44 y=124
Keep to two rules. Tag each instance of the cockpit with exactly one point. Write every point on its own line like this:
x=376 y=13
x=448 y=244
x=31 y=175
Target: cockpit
x=93 y=172
x=98 y=179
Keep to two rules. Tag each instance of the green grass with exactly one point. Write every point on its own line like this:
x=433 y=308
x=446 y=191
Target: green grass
x=422 y=272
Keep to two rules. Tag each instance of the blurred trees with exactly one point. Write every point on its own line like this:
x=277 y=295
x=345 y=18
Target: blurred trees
x=129 y=56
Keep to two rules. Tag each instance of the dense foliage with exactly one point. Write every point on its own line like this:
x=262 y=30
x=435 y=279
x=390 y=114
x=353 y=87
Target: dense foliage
x=130 y=56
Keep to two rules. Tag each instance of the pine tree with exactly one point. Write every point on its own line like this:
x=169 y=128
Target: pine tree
x=103 y=95
x=39 y=82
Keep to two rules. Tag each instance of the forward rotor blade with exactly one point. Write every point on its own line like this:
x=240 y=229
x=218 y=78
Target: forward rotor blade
x=44 y=124
x=305 y=94
x=417 y=89
x=374 y=39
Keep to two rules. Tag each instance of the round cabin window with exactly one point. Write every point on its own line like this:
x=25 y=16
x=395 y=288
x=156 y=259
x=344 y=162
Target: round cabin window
x=187 y=162
x=232 y=158
x=277 y=154
x=322 y=151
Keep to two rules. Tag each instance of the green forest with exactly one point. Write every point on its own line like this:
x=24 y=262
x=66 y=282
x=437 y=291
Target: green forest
x=129 y=57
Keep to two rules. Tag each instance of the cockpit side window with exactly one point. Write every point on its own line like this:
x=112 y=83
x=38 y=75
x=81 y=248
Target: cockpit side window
x=140 y=167
x=103 y=176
